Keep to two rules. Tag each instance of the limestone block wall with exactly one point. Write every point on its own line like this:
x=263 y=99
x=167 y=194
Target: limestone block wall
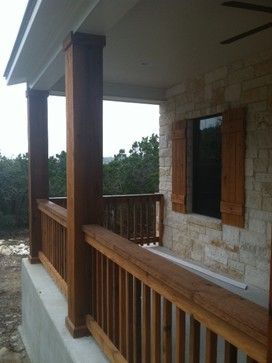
x=243 y=254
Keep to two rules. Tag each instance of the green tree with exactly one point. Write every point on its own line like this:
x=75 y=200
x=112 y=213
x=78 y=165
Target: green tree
x=135 y=173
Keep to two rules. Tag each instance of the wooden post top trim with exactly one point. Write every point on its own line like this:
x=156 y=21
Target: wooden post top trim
x=84 y=40
x=36 y=93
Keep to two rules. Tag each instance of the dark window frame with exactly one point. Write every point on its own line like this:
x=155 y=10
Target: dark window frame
x=196 y=208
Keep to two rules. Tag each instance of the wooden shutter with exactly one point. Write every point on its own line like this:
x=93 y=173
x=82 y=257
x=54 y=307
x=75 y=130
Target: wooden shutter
x=179 y=166
x=233 y=167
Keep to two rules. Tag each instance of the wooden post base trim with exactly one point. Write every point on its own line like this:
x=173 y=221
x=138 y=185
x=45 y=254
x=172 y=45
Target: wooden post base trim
x=104 y=342
x=76 y=331
x=61 y=284
x=33 y=260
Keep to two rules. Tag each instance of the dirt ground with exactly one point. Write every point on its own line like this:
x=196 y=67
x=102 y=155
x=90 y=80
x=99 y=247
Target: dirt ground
x=12 y=248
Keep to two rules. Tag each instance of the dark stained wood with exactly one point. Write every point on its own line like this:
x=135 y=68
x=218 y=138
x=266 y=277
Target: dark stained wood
x=180 y=336
x=155 y=327
x=167 y=332
x=137 y=348
x=104 y=342
x=211 y=347
x=110 y=312
x=233 y=167
x=115 y=305
x=250 y=360
x=84 y=93
x=179 y=166
x=146 y=309
x=230 y=353
x=37 y=164
x=129 y=318
x=239 y=321
x=194 y=344
x=122 y=312
x=60 y=282
x=138 y=217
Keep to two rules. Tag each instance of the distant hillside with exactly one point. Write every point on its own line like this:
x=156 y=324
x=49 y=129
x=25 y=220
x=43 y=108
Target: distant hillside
x=107 y=159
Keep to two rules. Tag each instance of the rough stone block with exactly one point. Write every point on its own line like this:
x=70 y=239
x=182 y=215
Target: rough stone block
x=256 y=278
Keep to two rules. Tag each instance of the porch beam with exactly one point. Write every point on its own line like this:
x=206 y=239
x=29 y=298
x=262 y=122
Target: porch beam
x=84 y=94
x=37 y=164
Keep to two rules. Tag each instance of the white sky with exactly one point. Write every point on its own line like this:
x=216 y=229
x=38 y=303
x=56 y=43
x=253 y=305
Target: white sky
x=123 y=123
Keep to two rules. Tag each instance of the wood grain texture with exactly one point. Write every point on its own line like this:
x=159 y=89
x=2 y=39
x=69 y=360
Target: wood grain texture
x=180 y=336
x=146 y=324
x=179 y=166
x=84 y=93
x=37 y=164
x=194 y=342
x=233 y=167
x=167 y=331
x=239 y=321
x=155 y=327
x=104 y=342
x=211 y=347
x=230 y=353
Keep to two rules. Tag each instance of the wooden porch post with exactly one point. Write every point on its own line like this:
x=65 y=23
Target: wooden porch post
x=84 y=93
x=37 y=165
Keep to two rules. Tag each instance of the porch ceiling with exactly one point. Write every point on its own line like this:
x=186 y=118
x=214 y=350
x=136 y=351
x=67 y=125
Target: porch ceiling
x=151 y=44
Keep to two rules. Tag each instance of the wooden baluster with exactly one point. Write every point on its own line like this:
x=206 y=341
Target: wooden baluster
x=167 y=332
x=146 y=352
x=93 y=283
x=110 y=315
x=230 y=353
x=194 y=345
x=115 y=305
x=250 y=360
x=211 y=347
x=155 y=327
x=134 y=222
x=137 y=320
x=98 y=288
x=141 y=222
x=129 y=317
x=147 y=222
x=180 y=336
x=104 y=294
x=122 y=312
x=161 y=216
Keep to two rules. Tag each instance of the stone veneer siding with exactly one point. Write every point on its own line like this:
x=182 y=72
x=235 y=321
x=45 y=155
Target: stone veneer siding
x=243 y=254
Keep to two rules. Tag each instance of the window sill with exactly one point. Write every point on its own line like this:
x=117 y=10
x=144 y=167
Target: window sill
x=205 y=221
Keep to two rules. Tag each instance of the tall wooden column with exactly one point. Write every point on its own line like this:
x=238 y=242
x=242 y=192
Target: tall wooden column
x=38 y=164
x=84 y=92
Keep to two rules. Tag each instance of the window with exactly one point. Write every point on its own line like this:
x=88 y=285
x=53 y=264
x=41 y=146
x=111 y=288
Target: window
x=210 y=180
x=207 y=166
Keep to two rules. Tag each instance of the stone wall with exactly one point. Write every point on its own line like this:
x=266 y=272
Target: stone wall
x=240 y=253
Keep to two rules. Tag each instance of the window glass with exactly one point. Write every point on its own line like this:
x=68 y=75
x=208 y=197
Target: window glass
x=207 y=166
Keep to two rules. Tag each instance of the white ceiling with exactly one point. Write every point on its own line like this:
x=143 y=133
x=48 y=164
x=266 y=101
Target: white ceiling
x=151 y=44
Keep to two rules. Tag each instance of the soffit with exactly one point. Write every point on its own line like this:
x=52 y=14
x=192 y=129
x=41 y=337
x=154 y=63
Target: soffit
x=151 y=44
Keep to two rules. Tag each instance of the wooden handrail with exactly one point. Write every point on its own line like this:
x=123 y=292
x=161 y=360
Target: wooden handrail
x=54 y=211
x=156 y=196
x=239 y=321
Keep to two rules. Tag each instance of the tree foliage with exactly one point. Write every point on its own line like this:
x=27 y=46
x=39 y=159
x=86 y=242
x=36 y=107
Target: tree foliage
x=137 y=172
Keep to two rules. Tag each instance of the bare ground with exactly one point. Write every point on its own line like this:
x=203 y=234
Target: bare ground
x=12 y=249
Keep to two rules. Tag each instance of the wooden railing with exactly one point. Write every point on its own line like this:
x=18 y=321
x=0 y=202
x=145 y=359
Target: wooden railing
x=137 y=217
x=54 y=240
x=147 y=309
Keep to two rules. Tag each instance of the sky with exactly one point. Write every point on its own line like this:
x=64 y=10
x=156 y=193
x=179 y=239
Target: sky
x=123 y=123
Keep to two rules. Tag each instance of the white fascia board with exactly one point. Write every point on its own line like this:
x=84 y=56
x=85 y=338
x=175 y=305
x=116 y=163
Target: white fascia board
x=48 y=66
x=9 y=73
